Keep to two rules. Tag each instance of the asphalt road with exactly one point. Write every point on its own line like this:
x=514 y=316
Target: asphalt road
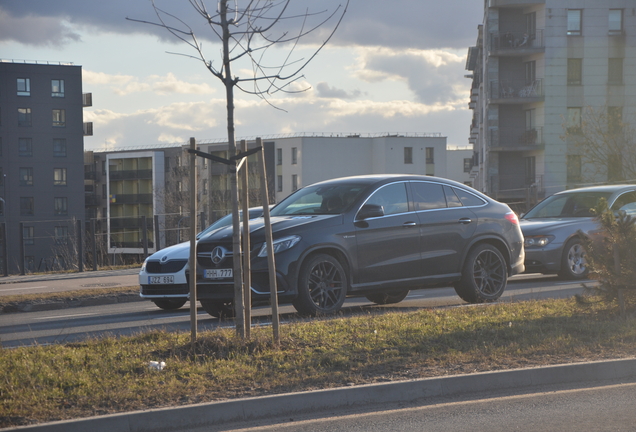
x=604 y=408
x=74 y=324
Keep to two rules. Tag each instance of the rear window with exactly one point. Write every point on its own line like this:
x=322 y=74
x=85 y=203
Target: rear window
x=468 y=199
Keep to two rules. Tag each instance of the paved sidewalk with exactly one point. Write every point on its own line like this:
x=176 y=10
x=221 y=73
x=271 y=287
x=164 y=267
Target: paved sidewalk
x=11 y=279
x=425 y=390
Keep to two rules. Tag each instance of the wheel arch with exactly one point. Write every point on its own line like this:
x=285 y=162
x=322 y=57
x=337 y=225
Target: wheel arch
x=493 y=241
x=331 y=250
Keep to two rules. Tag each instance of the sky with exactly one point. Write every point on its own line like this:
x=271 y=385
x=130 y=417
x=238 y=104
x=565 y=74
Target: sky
x=391 y=67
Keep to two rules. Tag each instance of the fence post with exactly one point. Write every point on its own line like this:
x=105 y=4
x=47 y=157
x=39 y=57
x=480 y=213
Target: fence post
x=157 y=239
x=5 y=249
x=22 y=264
x=80 y=247
x=144 y=235
x=94 y=244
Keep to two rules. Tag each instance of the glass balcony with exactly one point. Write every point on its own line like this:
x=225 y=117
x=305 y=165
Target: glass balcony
x=507 y=43
x=514 y=138
x=516 y=91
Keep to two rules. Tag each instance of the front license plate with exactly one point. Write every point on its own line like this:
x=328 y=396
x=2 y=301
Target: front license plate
x=160 y=280
x=218 y=273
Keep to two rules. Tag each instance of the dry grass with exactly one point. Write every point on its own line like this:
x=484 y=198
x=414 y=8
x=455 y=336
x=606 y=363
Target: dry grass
x=111 y=375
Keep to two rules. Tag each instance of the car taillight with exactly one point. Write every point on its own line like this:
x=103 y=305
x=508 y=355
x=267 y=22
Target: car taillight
x=512 y=218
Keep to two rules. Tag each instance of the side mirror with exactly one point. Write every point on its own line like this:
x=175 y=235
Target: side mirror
x=370 y=211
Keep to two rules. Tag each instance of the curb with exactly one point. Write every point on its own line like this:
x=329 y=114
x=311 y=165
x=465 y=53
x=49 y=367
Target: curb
x=216 y=413
x=38 y=306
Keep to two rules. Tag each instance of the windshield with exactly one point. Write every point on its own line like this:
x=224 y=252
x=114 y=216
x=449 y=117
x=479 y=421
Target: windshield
x=567 y=205
x=320 y=199
x=227 y=220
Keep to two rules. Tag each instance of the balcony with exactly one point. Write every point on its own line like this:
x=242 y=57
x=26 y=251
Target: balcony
x=130 y=223
x=87 y=99
x=130 y=175
x=516 y=91
x=522 y=190
x=516 y=44
x=131 y=199
x=513 y=139
x=88 y=128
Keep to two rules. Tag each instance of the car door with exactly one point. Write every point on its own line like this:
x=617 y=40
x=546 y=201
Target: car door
x=445 y=226
x=388 y=246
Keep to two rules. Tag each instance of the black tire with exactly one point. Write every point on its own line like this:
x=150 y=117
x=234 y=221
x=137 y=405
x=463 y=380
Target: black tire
x=391 y=297
x=322 y=286
x=169 y=304
x=484 y=276
x=219 y=308
x=573 y=262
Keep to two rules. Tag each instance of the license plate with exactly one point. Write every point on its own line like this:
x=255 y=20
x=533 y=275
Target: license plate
x=218 y=273
x=160 y=280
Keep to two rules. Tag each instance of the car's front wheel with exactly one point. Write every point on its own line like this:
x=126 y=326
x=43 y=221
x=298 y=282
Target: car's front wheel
x=219 y=308
x=573 y=262
x=169 y=304
x=383 y=298
x=484 y=276
x=322 y=286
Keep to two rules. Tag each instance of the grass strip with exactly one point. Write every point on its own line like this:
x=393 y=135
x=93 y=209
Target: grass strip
x=109 y=375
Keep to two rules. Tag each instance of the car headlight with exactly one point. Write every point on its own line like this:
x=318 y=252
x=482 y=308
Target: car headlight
x=537 y=241
x=281 y=244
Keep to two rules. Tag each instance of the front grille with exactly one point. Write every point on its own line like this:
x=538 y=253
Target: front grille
x=214 y=255
x=171 y=266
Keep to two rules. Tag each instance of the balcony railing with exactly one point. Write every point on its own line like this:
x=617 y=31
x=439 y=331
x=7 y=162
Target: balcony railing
x=516 y=43
x=511 y=138
x=129 y=223
x=87 y=99
x=88 y=128
x=511 y=91
x=131 y=199
x=130 y=174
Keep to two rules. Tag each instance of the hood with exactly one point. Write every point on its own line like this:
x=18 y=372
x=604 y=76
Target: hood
x=279 y=225
x=546 y=225
x=178 y=251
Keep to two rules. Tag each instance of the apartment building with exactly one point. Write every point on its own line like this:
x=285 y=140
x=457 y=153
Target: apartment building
x=41 y=163
x=537 y=66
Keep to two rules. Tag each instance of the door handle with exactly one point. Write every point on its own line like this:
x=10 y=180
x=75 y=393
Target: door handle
x=465 y=221
x=409 y=224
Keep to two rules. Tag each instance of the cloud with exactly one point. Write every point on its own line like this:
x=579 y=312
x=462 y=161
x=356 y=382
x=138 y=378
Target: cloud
x=325 y=91
x=36 y=30
x=123 y=85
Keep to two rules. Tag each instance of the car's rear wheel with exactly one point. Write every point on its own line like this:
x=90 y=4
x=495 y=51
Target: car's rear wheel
x=573 y=262
x=219 y=308
x=322 y=286
x=169 y=304
x=484 y=276
x=391 y=297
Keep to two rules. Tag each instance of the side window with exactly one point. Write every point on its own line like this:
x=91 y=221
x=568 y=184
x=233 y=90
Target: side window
x=452 y=200
x=428 y=196
x=392 y=198
x=626 y=203
x=468 y=199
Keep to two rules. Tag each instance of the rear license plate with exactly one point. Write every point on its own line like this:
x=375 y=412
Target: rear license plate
x=160 y=280
x=218 y=273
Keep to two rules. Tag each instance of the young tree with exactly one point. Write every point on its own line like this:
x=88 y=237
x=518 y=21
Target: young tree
x=605 y=142
x=251 y=31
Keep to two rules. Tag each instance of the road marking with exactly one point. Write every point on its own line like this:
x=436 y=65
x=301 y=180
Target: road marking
x=24 y=288
x=67 y=316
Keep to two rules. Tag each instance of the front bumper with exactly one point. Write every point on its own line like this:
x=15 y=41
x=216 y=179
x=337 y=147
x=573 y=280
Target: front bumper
x=544 y=260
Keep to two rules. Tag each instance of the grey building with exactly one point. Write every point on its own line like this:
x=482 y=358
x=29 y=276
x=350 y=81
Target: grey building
x=41 y=163
x=537 y=66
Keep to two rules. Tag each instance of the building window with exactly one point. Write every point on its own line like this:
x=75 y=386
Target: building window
x=408 y=155
x=279 y=156
x=614 y=168
x=26 y=176
x=24 y=116
x=60 y=206
x=574 y=22
x=104 y=192
x=614 y=119
x=574 y=120
x=294 y=182
x=615 y=71
x=430 y=155
x=24 y=87
x=530 y=169
x=59 y=176
x=59 y=147
x=61 y=234
x=26 y=206
x=468 y=164
x=294 y=155
x=615 y=22
x=57 y=88
x=279 y=183
x=575 y=71
x=574 y=169
x=27 y=235
x=25 y=147
x=531 y=71
x=59 y=118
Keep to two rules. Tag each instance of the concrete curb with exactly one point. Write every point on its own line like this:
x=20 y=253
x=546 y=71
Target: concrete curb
x=214 y=414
